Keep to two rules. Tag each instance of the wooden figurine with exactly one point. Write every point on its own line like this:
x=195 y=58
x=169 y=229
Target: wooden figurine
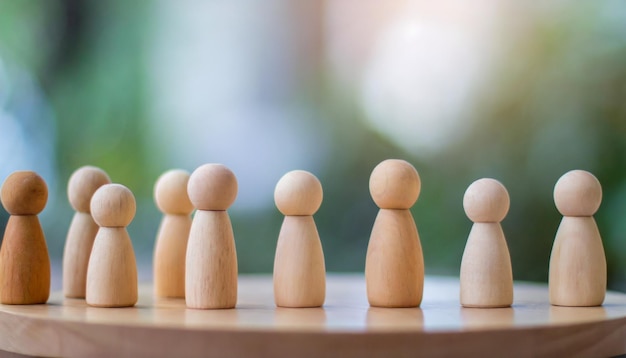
x=82 y=232
x=170 y=195
x=24 y=260
x=578 y=263
x=112 y=269
x=211 y=261
x=394 y=266
x=299 y=271
x=486 y=273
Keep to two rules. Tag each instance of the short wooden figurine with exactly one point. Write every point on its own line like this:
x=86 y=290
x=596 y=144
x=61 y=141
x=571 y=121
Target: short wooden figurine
x=24 y=260
x=299 y=271
x=486 y=273
x=170 y=195
x=577 y=263
x=82 y=232
x=112 y=269
x=211 y=261
x=394 y=266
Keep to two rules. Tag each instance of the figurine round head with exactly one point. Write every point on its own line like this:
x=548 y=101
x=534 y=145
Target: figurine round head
x=298 y=193
x=578 y=193
x=83 y=184
x=212 y=187
x=486 y=201
x=395 y=184
x=24 y=193
x=170 y=193
x=113 y=205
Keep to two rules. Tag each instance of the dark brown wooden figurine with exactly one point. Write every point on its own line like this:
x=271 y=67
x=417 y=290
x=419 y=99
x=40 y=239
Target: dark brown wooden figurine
x=24 y=260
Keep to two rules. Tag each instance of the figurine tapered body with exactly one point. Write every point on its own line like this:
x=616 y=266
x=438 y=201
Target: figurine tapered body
x=24 y=260
x=394 y=266
x=486 y=277
x=170 y=194
x=112 y=269
x=299 y=270
x=211 y=260
x=83 y=229
x=577 y=263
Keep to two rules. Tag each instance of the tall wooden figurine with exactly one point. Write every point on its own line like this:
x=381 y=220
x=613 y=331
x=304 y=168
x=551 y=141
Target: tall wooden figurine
x=486 y=274
x=211 y=262
x=82 y=185
x=394 y=266
x=112 y=269
x=578 y=263
x=170 y=195
x=24 y=260
x=299 y=271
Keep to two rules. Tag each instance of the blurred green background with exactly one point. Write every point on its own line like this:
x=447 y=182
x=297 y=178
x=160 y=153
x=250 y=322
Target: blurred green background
x=518 y=91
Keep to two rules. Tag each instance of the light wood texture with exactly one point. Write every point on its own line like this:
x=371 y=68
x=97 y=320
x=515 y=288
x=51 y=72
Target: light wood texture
x=112 y=272
x=112 y=269
x=24 y=260
x=345 y=327
x=299 y=270
x=81 y=186
x=212 y=187
x=80 y=238
x=486 y=201
x=298 y=193
x=486 y=274
x=395 y=184
x=394 y=265
x=170 y=193
x=113 y=205
x=170 y=250
x=577 y=263
x=578 y=193
x=211 y=261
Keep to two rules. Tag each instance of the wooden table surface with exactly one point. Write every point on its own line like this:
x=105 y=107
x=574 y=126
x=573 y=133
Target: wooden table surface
x=345 y=327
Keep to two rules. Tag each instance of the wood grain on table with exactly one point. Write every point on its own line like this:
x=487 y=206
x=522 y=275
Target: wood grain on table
x=345 y=327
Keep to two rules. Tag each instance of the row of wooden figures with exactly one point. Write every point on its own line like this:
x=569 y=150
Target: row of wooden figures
x=196 y=258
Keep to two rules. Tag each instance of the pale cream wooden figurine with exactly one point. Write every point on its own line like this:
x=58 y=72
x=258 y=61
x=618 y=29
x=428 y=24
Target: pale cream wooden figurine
x=486 y=274
x=578 y=263
x=394 y=266
x=299 y=271
x=211 y=261
x=170 y=195
x=24 y=260
x=82 y=232
x=112 y=269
